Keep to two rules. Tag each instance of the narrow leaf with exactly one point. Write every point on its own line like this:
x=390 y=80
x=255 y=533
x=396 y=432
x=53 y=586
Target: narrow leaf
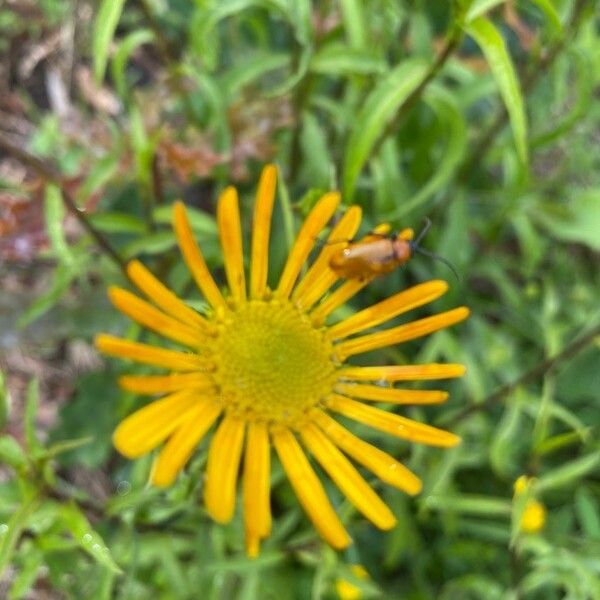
x=447 y=111
x=494 y=49
x=55 y=214
x=32 y=397
x=569 y=473
x=377 y=112
x=105 y=25
x=121 y=57
x=354 y=22
x=11 y=453
x=88 y=539
x=11 y=531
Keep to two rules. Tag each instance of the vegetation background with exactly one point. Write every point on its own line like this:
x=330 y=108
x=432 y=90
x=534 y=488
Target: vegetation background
x=482 y=115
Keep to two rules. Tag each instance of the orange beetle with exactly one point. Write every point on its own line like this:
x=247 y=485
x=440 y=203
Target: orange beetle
x=378 y=253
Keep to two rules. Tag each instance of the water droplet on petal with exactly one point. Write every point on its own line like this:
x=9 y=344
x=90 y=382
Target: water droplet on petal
x=87 y=538
x=393 y=467
x=96 y=547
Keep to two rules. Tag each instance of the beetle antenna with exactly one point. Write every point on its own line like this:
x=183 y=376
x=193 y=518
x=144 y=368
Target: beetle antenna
x=422 y=233
x=438 y=257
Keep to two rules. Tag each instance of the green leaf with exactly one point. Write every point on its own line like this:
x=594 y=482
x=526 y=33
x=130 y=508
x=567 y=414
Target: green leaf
x=480 y=7
x=315 y=151
x=11 y=452
x=568 y=473
x=11 y=531
x=200 y=221
x=583 y=87
x=155 y=243
x=551 y=14
x=27 y=575
x=86 y=537
x=340 y=59
x=288 y=215
x=4 y=401
x=55 y=213
x=99 y=174
x=143 y=147
x=61 y=280
x=32 y=398
x=377 y=112
x=247 y=71
x=447 y=111
x=354 y=22
x=115 y=222
x=577 y=221
x=204 y=38
x=588 y=514
x=494 y=49
x=505 y=441
x=66 y=446
x=105 y=25
x=121 y=57
x=469 y=504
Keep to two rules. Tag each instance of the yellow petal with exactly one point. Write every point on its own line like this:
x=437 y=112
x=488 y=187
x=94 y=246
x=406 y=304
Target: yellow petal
x=337 y=298
x=316 y=220
x=256 y=486
x=149 y=355
x=148 y=316
x=160 y=384
x=148 y=427
x=230 y=231
x=194 y=259
x=222 y=469
x=177 y=451
x=387 y=394
x=388 y=309
x=309 y=490
x=393 y=424
x=347 y=478
x=261 y=228
x=252 y=544
x=384 y=466
x=163 y=297
x=319 y=278
x=402 y=333
x=403 y=372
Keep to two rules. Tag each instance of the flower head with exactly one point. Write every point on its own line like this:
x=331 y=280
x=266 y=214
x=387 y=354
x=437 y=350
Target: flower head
x=533 y=516
x=346 y=590
x=265 y=369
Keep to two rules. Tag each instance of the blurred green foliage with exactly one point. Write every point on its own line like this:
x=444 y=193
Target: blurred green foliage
x=481 y=115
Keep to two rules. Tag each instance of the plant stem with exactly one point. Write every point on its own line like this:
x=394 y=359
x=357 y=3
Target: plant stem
x=50 y=174
x=542 y=368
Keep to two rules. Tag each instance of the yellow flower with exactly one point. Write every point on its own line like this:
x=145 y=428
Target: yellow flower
x=533 y=517
x=347 y=590
x=264 y=368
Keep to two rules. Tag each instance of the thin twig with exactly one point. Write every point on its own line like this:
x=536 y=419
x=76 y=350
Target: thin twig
x=542 y=368
x=51 y=175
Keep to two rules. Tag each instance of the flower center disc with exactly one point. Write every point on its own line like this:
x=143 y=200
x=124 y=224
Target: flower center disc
x=272 y=364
